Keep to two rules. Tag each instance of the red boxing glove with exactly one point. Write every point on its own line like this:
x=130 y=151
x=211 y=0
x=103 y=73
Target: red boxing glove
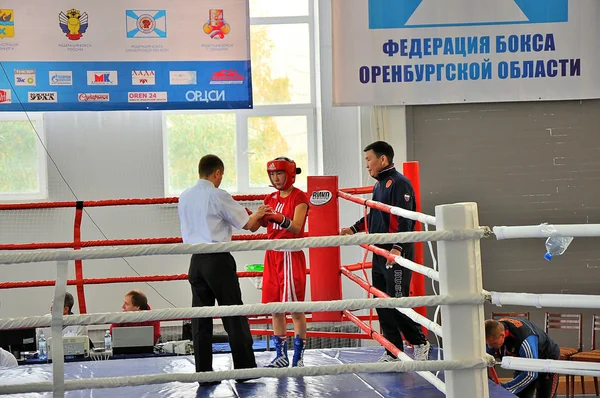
x=279 y=219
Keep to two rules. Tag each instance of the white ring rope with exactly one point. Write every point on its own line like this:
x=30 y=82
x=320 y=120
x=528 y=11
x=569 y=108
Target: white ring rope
x=278 y=244
x=239 y=310
x=546 y=300
x=421 y=320
x=128 y=381
x=397 y=211
x=416 y=267
x=539 y=231
x=575 y=368
x=413 y=215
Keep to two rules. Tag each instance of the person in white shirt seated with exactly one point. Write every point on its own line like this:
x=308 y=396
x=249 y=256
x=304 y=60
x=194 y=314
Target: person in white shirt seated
x=68 y=331
x=7 y=360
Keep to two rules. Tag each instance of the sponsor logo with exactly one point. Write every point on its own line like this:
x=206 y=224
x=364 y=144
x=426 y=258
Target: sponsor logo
x=104 y=78
x=205 y=96
x=143 y=77
x=158 y=96
x=146 y=23
x=25 y=77
x=389 y=183
x=60 y=78
x=5 y=97
x=93 y=97
x=7 y=23
x=216 y=26
x=182 y=77
x=271 y=167
x=73 y=23
x=227 y=77
x=319 y=198
x=40 y=96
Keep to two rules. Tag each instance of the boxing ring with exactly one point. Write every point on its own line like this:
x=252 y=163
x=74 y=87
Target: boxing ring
x=353 y=372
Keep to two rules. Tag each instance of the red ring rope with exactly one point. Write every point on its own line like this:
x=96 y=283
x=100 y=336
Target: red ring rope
x=114 y=202
x=111 y=242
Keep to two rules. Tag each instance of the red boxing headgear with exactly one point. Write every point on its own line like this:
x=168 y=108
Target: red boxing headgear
x=286 y=165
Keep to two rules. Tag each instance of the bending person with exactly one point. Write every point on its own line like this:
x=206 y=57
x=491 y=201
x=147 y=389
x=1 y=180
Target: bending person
x=519 y=337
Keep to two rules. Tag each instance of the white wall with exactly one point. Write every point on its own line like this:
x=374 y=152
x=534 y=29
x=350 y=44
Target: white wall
x=112 y=155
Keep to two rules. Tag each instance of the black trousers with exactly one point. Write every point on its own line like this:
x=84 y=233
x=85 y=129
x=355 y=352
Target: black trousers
x=396 y=283
x=546 y=384
x=213 y=277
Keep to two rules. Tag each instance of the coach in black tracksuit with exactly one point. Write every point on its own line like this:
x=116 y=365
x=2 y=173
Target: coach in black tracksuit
x=394 y=189
x=518 y=337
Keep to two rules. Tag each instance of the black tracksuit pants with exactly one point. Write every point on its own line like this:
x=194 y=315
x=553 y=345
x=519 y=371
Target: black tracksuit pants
x=213 y=277
x=395 y=282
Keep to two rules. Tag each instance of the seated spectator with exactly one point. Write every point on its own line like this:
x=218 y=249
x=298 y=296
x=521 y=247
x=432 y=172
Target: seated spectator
x=7 y=360
x=73 y=330
x=135 y=300
x=68 y=331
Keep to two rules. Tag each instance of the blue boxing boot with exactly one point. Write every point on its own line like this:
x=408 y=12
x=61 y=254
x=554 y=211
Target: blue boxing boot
x=281 y=359
x=299 y=346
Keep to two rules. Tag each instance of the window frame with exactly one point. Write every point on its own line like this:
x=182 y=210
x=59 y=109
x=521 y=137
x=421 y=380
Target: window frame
x=308 y=109
x=37 y=120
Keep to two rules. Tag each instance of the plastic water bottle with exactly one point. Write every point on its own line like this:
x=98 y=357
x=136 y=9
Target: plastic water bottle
x=42 y=348
x=107 y=341
x=556 y=246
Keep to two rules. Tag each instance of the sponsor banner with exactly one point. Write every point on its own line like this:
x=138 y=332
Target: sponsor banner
x=25 y=77
x=183 y=78
x=102 y=78
x=189 y=85
x=319 y=198
x=143 y=77
x=93 y=97
x=393 y=52
x=39 y=96
x=227 y=77
x=60 y=78
x=148 y=96
x=75 y=50
x=5 y=96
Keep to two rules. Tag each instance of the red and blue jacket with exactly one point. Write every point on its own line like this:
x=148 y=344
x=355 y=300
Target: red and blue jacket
x=524 y=339
x=394 y=189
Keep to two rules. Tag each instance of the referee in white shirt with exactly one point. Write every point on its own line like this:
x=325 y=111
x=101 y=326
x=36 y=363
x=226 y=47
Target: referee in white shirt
x=207 y=215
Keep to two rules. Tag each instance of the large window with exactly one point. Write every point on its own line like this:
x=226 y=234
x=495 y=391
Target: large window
x=282 y=122
x=23 y=173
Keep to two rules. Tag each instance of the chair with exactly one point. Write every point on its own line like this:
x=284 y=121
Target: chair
x=570 y=322
x=498 y=315
x=593 y=355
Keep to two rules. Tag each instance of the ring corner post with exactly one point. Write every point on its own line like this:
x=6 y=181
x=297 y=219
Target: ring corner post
x=460 y=274
x=324 y=262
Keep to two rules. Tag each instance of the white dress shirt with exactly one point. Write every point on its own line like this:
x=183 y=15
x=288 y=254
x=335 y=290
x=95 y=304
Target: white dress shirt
x=208 y=213
x=7 y=360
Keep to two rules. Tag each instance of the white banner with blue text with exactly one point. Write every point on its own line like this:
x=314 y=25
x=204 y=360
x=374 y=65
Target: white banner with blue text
x=411 y=52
